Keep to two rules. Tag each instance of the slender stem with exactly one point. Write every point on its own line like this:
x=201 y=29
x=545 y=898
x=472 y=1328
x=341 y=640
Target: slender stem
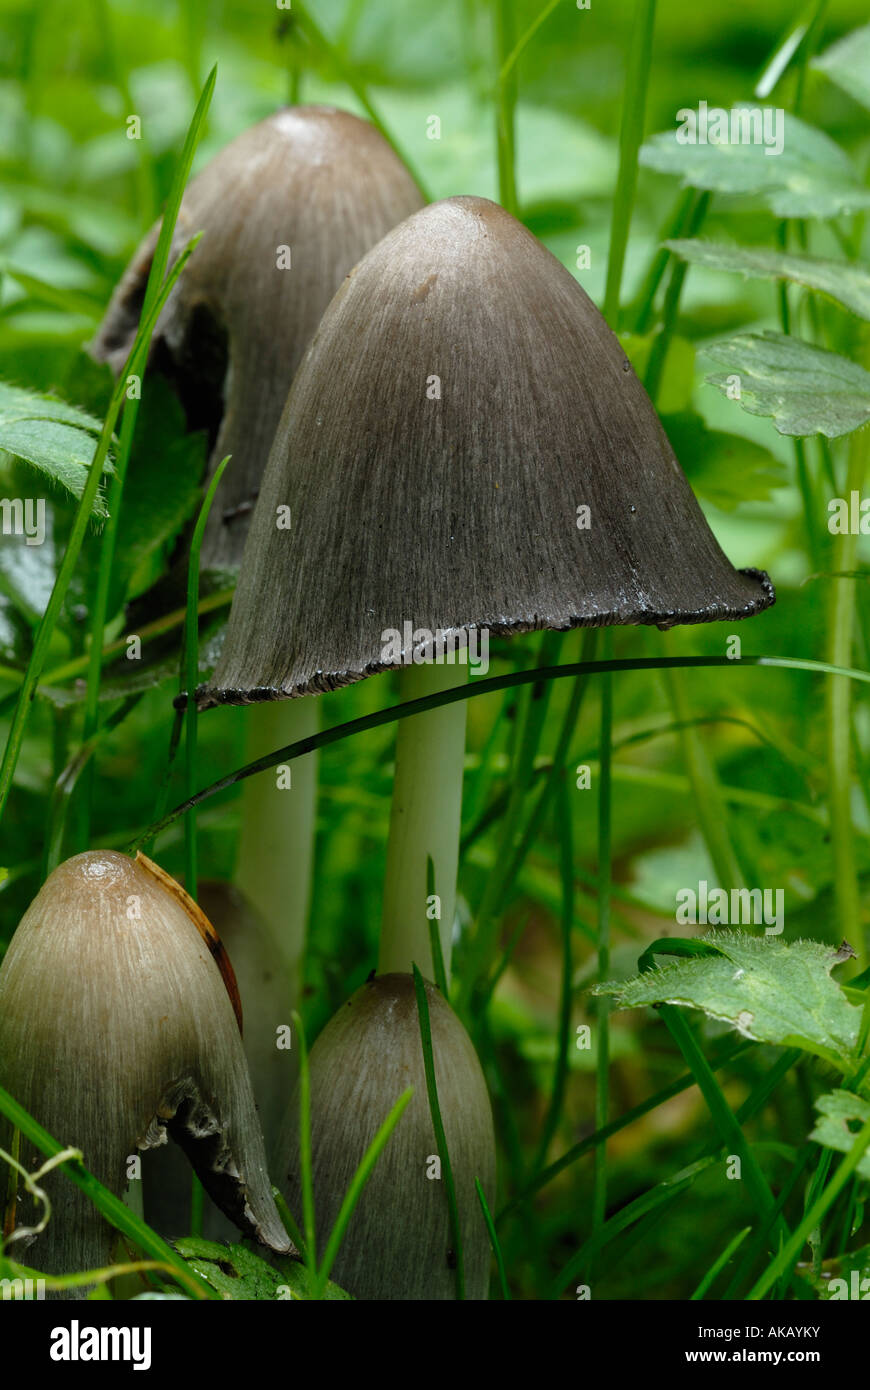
x=602 y=1069
x=841 y=628
x=506 y=99
x=424 y=822
x=276 y=845
x=630 y=136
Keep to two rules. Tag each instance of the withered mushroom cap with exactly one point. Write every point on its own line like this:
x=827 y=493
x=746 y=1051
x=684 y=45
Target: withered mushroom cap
x=453 y=504
x=317 y=180
x=116 y=1027
x=398 y=1242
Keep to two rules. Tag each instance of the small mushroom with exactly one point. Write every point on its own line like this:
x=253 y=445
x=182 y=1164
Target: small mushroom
x=465 y=447
x=399 y=1243
x=117 y=1029
x=287 y=209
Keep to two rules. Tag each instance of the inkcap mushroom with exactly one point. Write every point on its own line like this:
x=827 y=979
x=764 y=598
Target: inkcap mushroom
x=465 y=450
x=116 y=1029
x=399 y=1243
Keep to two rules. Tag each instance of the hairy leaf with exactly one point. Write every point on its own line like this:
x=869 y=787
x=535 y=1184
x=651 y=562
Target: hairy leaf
x=768 y=990
x=811 y=177
x=56 y=438
x=803 y=389
x=848 y=284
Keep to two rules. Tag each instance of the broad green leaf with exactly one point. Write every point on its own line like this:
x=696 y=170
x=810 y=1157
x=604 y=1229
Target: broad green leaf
x=847 y=283
x=841 y=1116
x=768 y=990
x=58 y=439
x=727 y=469
x=811 y=177
x=847 y=62
x=238 y=1274
x=803 y=389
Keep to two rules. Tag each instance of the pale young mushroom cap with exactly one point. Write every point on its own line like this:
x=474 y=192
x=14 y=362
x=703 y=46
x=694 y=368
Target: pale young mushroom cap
x=116 y=1028
x=398 y=1244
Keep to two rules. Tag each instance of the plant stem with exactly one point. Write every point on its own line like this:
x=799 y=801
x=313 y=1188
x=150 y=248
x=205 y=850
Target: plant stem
x=840 y=629
x=602 y=1068
x=424 y=822
x=276 y=845
x=506 y=100
x=630 y=136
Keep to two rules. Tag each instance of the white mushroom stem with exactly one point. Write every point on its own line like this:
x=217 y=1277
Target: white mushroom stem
x=424 y=821
x=276 y=847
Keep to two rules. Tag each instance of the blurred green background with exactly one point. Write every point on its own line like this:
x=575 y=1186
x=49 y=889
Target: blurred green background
x=75 y=197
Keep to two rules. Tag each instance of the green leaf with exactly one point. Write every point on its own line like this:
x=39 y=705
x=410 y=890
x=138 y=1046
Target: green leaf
x=237 y=1273
x=841 y=1116
x=847 y=62
x=803 y=389
x=848 y=284
x=58 y=439
x=727 y=469
x=811 y=177
x=768 y=990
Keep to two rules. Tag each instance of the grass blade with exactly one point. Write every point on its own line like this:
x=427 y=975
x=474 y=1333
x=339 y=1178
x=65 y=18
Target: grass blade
x=110 y=1206
x=190 y=674
x=135 y=367
x=357 y=1183
x=719 y=1264
x=74 y=545
x=324 y=737
x=493 y=1239
x=438 y=1126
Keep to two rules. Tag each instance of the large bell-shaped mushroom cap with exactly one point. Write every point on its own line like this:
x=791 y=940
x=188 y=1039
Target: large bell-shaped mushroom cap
x=288 y=208
x=116 y=1026
x=461 y=400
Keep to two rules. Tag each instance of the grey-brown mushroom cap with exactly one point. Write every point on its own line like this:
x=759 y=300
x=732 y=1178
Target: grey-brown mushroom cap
x=309 y=185
x=398 y=1242
x=462 y=399
x=116 y=1027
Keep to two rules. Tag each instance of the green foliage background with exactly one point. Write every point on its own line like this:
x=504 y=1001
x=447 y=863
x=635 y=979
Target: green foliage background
x=76 y=195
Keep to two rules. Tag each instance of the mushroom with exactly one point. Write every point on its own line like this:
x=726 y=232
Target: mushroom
x=287 y=209
x=117 y=1029
x=267 y=1003
x=398 y=1244
x=465 y=448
